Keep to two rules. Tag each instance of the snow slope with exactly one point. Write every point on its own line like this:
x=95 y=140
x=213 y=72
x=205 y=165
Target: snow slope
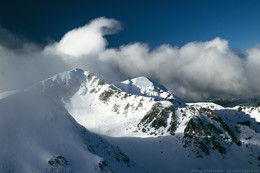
x=67 y=120
x=106 y=109
x=39 y=135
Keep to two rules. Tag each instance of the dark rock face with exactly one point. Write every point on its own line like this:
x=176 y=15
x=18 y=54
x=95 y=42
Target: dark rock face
x=207 y=132
x=158 y=117
x=110 y=91
x=59 y=164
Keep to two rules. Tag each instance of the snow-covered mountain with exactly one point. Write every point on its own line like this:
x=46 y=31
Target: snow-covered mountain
x=77 y=122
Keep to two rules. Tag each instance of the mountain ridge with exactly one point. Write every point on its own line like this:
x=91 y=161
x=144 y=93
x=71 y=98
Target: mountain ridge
x=138 y=111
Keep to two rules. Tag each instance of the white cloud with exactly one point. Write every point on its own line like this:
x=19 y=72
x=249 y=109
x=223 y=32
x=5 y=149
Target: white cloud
x=195 y=71
x=253 y=70
x=202 y=67
x=85 y=40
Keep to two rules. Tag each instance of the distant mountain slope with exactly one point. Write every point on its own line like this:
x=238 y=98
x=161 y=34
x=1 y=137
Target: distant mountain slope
x=153 y=128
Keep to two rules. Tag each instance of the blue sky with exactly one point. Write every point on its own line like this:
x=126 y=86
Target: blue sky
x=152 y=22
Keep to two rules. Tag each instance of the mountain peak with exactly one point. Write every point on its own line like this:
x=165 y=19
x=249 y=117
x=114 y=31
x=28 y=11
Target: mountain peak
x=144 y=86
x=143 y=82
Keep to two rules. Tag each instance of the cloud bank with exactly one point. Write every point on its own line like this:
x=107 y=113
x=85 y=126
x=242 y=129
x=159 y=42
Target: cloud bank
x=195 y=71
